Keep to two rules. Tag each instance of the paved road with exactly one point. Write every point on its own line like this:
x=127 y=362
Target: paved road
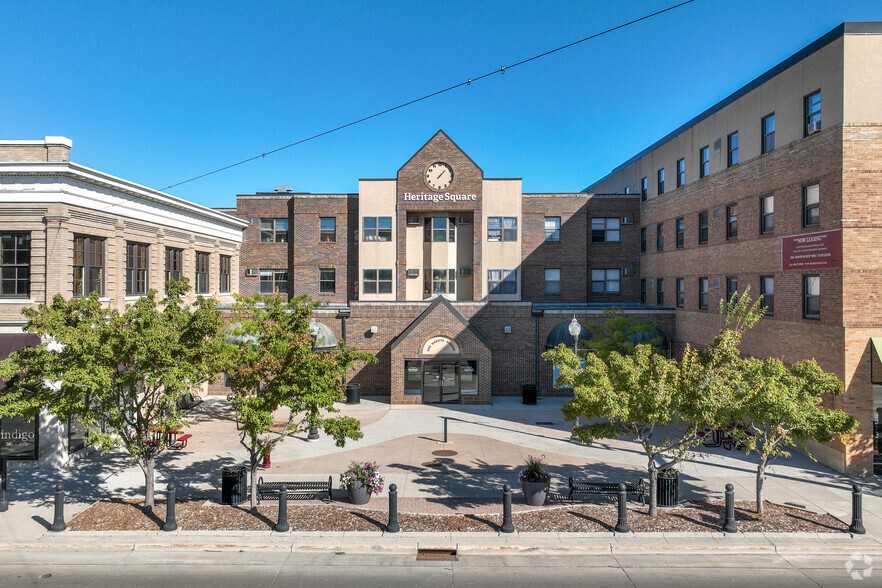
x=167 y=568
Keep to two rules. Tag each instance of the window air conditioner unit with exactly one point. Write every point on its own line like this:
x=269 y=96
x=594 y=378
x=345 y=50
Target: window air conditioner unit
x=465 y=271
x=627 y=220
x=627 y=271
x=413 y=220
x=252 y=272
x=463 y=220
x=814 y=127
x=413 y=273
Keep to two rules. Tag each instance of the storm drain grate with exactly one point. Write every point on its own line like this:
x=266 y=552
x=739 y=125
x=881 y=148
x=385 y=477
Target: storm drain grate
x=544 y=423
x=436 y=554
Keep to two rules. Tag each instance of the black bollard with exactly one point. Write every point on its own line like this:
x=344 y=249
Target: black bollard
x=282 y=525
x=729 y=526
x=507 y=525
x=170 y=523
x=445 y=429
x=857 y=508
x=392 y=526
x=58 y=524
x=622 y=525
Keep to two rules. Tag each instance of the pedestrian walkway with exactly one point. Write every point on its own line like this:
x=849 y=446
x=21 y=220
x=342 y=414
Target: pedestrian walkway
x=485 y=448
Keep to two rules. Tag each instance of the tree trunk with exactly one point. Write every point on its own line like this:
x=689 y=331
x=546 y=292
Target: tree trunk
x=253 y=465
x=760 y=478
x=653 y=485
x=147 y=466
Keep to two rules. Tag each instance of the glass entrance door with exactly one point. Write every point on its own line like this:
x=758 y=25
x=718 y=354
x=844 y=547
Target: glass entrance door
x=440 y=381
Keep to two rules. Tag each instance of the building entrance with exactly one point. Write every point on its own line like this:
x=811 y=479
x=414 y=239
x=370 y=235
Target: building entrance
x=440 y=381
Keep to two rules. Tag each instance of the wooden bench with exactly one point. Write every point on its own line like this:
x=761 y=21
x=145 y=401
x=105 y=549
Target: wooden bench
x=592 y=488
x=296 y=490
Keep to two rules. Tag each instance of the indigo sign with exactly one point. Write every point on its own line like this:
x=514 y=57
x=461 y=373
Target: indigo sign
x=19 y=438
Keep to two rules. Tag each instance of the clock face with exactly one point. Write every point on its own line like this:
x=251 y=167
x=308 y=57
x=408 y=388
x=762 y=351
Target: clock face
x=439 y=176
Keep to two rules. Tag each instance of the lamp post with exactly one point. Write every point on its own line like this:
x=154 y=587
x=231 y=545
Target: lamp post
x=575 y=330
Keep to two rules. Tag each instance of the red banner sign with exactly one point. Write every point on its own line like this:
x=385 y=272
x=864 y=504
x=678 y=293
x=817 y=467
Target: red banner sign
x=812 y=251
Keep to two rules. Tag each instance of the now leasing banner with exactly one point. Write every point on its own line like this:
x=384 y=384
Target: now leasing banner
x=813 y=251
x=19 y=438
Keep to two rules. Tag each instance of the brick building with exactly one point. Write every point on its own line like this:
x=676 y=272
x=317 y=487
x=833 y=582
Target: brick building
x=453 y=280
x=779 y=187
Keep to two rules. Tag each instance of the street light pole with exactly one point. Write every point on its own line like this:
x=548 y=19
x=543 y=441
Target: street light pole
x=575 y=330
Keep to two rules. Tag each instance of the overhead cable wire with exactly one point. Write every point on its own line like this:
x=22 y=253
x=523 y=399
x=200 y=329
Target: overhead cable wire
x=468 y=82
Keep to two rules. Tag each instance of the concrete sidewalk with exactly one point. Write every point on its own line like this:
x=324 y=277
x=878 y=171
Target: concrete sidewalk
x=490 y=445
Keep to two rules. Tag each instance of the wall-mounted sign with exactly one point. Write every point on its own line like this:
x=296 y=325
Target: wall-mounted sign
x=812 y=252
x=19 y=438
x=445 y=197
x=440 y=346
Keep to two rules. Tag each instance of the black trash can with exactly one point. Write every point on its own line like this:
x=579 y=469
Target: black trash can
x=668 y=489
x=353 y=393
x=234 y=484
x=529 y=393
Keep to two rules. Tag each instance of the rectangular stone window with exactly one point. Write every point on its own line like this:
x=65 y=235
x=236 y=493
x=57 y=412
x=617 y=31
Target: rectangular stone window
x=327 y=280
x=661 y=181
x=440 y=229
x=605 y=230
x=643 y=240
x=136 y=269
x=15 y=265
x=174 y=263
x=203 y=267
x=88 y=266
x=731 y=287
x=413 y=377
x=732 y=221
x=660 y=291
x=644 y=183
x=767 y=290
x=811 y=297
x=273 y=280
x=704 y=162
x=660 y=237
x=443 y=281
x=812 y=113
x=768 y=133
x=642 y=291
x=681 y=172
x=767 y=214
x=811 y=203
x=502 y=228
x=733 y=149
x=702 y=227
x=702 y=293
x=681 y=231
x=224 y=274
x=681 y=292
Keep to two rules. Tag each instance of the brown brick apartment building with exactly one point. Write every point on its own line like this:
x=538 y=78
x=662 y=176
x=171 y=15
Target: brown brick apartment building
x=453 y=280
x=779 y=187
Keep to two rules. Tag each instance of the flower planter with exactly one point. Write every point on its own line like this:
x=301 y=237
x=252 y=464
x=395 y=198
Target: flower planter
x=535 y=493
x=358 y=493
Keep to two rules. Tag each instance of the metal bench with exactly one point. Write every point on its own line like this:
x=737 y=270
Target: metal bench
x=592 y=488
x=296 y=490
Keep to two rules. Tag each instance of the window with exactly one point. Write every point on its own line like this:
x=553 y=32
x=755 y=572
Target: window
x=681 y=292
x=439 y=229
x=273 y=230
x=767 y=290
x=681 y=231
x=327 y=280
x=660 y=291
x=811 y=297
x=644 y=183
x=681 y=172
x=704 y=161
x=328 y=229
x=702 y=293
x=642 y=291
x=768 y=131
x=377 y=228
x=605 y=230
x=731 y=287
x=605 y=281
x=413 y=377
x=702 y=227
x=733 y=149
x=643 y=240
x=661 y=181
x=502 y=228
x=552 y=281
x=502 y=281
x=811 y=205
x=15 y=265
x=627 y=189
x=173 y=264
x=732 y=221
x=443 y=281
x=377 y=281
x=273 y=280
x=767 y=214
x=136 y=269
x=88 y=266
x=660 y=237
x=202 y=272
x=552 y=228
x=812 y=113
x=224 y=274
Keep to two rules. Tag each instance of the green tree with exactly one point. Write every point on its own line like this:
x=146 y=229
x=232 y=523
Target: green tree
x=276 y=365
x=782 y=406
x=617 y=331
x=120 y=373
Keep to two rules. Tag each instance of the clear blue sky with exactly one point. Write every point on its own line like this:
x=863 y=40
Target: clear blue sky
x=158 y=92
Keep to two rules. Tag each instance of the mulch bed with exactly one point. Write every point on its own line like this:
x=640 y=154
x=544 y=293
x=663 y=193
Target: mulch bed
x=202 y=515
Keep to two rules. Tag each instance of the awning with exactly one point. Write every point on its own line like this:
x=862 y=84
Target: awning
x=235 y=334
x=561 y=334
x=876 y=360
x=324 y=336
x=645 y=336
x=11 y=342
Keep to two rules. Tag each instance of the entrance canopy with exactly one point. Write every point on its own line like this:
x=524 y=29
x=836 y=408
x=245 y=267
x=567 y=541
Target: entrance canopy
x=647 y=336
x=324 y=336
x=561 y=334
